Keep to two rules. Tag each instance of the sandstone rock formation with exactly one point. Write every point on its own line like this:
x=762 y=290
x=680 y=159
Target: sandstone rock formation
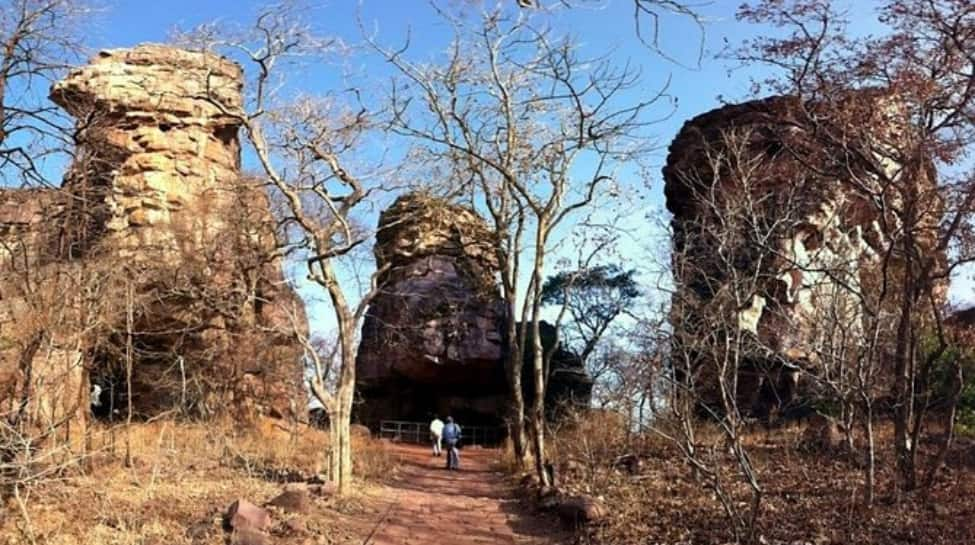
x=433 y=339
x=168 y=249
x=158 y=162
x=823 y=239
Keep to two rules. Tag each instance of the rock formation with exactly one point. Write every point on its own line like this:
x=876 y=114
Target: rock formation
x=433 y=338
x=823 y=238
x=158 y=163
x=169 y=250
x=433 y=341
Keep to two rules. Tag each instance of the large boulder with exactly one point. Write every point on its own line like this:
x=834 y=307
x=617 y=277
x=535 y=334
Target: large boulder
x=433 y=339
x=819 y=236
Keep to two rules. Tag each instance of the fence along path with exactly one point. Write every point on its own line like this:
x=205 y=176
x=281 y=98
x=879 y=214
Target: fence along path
x=419 y=433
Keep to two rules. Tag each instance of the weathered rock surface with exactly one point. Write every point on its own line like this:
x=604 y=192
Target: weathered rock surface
x=155 y=218
x=159 y=159
x=438 y=319
x=826 y=236
x=243 y=515
x=433 y=339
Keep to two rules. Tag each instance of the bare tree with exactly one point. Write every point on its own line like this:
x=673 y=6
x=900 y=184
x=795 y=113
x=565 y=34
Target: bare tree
x=649 y=16
x=532 y=134
x=307 y=150
x=910 y=89
x=39 y=39
x=725 y=265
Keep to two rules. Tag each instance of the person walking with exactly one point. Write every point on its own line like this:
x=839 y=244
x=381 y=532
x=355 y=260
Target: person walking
x=436 y=434
x=451 y=436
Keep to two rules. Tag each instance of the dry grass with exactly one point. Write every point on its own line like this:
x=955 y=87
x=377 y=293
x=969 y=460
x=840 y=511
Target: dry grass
x=810 y=498
x=181 y=478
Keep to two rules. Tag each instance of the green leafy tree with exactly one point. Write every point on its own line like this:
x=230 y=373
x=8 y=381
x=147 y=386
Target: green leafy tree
x=593 y=297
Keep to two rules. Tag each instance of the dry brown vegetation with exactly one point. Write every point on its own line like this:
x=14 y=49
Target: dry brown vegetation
x=811 y=497
x=183 y=477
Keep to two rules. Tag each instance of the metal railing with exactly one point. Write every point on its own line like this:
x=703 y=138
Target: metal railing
x=419 y=432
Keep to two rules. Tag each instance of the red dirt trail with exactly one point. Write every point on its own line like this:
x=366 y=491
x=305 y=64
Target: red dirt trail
x=429 y=505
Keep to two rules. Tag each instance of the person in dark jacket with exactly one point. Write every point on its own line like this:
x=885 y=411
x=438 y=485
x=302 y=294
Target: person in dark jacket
x=451 y=438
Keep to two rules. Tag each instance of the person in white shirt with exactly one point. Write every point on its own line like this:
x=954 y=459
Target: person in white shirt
x=436 y=434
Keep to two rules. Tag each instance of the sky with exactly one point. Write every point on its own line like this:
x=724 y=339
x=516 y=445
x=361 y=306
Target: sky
x=601 y=26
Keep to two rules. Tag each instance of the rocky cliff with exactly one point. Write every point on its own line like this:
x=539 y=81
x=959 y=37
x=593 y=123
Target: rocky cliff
x=170 y=250
x=774 y=235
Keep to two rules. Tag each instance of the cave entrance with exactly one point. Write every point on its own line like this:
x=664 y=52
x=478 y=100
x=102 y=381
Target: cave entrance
x=159 y=382
x=411 y=402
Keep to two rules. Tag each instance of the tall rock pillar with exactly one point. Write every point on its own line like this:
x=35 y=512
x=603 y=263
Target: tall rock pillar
x=158 y=152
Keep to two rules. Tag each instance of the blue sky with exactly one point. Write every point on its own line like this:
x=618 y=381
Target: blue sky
x=602 y=26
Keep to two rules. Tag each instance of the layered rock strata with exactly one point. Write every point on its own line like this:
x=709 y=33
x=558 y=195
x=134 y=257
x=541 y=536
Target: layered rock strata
x=169 y=250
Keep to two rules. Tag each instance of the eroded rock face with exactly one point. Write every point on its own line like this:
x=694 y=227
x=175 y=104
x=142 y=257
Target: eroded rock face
x=154 y=213
x=159 y=158
x=823 y=240
x=433 y=341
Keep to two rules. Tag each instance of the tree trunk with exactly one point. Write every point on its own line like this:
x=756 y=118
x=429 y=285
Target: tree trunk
x=538 y=405
x=513 y=367
x=903 y=394
x=870 y=466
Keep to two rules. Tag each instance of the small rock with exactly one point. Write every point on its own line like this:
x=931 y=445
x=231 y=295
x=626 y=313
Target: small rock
x=292 y=501
x=296 y=487
x=941 y=510
x=578 y=510
x=244 y=515
x=249 y=537
x=323 y=490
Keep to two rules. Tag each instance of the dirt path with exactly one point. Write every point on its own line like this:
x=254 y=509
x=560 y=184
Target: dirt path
x=430 y=505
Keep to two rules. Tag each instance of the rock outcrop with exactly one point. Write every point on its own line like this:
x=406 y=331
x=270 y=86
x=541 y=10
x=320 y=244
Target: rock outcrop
x=158 y=163
x=823 y=240
x=433 y=338
x=169 y=249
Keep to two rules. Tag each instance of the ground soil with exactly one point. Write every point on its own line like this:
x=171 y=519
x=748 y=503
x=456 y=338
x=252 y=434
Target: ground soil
x=425 y=504
x=183 y=476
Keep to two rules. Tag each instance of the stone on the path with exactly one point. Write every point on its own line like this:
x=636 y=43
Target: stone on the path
x=243 y=515
x=292 y=500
